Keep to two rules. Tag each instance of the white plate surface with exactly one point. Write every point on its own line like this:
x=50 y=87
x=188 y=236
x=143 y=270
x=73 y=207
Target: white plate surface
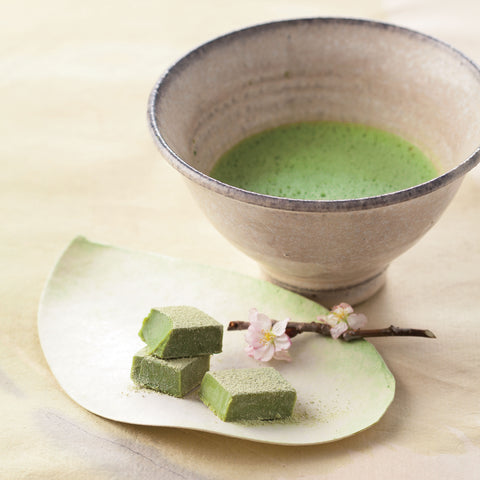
x=93 y=307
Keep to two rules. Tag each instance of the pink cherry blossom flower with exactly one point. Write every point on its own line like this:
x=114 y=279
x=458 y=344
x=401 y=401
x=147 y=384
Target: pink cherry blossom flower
x=342 y=319
x=266 y=341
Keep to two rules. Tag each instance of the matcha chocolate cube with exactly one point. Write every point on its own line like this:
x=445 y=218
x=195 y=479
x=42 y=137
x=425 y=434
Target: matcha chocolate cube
x=175 y=377
x=248 y=394
x=173 y=332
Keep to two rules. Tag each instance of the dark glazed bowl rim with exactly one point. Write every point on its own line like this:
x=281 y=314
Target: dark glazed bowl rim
x=292 y=204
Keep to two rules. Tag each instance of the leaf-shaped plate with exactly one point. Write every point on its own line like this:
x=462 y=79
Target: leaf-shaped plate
x=92 y=309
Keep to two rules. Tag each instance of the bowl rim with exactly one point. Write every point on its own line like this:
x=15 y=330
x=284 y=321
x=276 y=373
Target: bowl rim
x=294 y=204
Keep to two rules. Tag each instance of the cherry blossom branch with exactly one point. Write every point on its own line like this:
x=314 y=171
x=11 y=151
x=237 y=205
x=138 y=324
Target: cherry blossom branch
x=390 y=331
x=295 y=328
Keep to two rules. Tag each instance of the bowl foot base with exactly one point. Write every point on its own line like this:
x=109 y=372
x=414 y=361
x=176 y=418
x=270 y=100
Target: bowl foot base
x=352 y=294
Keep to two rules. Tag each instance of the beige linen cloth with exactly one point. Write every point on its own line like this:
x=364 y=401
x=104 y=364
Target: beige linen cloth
x=77 y=158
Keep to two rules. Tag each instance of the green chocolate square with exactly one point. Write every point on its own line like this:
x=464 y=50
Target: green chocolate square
x=181 y=331
x=248 y=394
x=175 y=377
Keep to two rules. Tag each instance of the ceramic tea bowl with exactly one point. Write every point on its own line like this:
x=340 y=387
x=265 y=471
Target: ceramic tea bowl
x=320 y=69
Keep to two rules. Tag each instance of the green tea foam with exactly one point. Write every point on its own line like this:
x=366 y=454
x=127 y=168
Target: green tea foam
x=324 y=161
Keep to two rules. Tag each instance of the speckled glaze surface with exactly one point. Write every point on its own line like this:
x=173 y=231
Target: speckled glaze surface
x=320 y=69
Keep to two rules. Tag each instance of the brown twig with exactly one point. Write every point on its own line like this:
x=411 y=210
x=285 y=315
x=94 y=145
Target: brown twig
x=295 y=328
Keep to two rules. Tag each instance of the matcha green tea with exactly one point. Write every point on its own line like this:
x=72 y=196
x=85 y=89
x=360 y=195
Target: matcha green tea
x=324 y=161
